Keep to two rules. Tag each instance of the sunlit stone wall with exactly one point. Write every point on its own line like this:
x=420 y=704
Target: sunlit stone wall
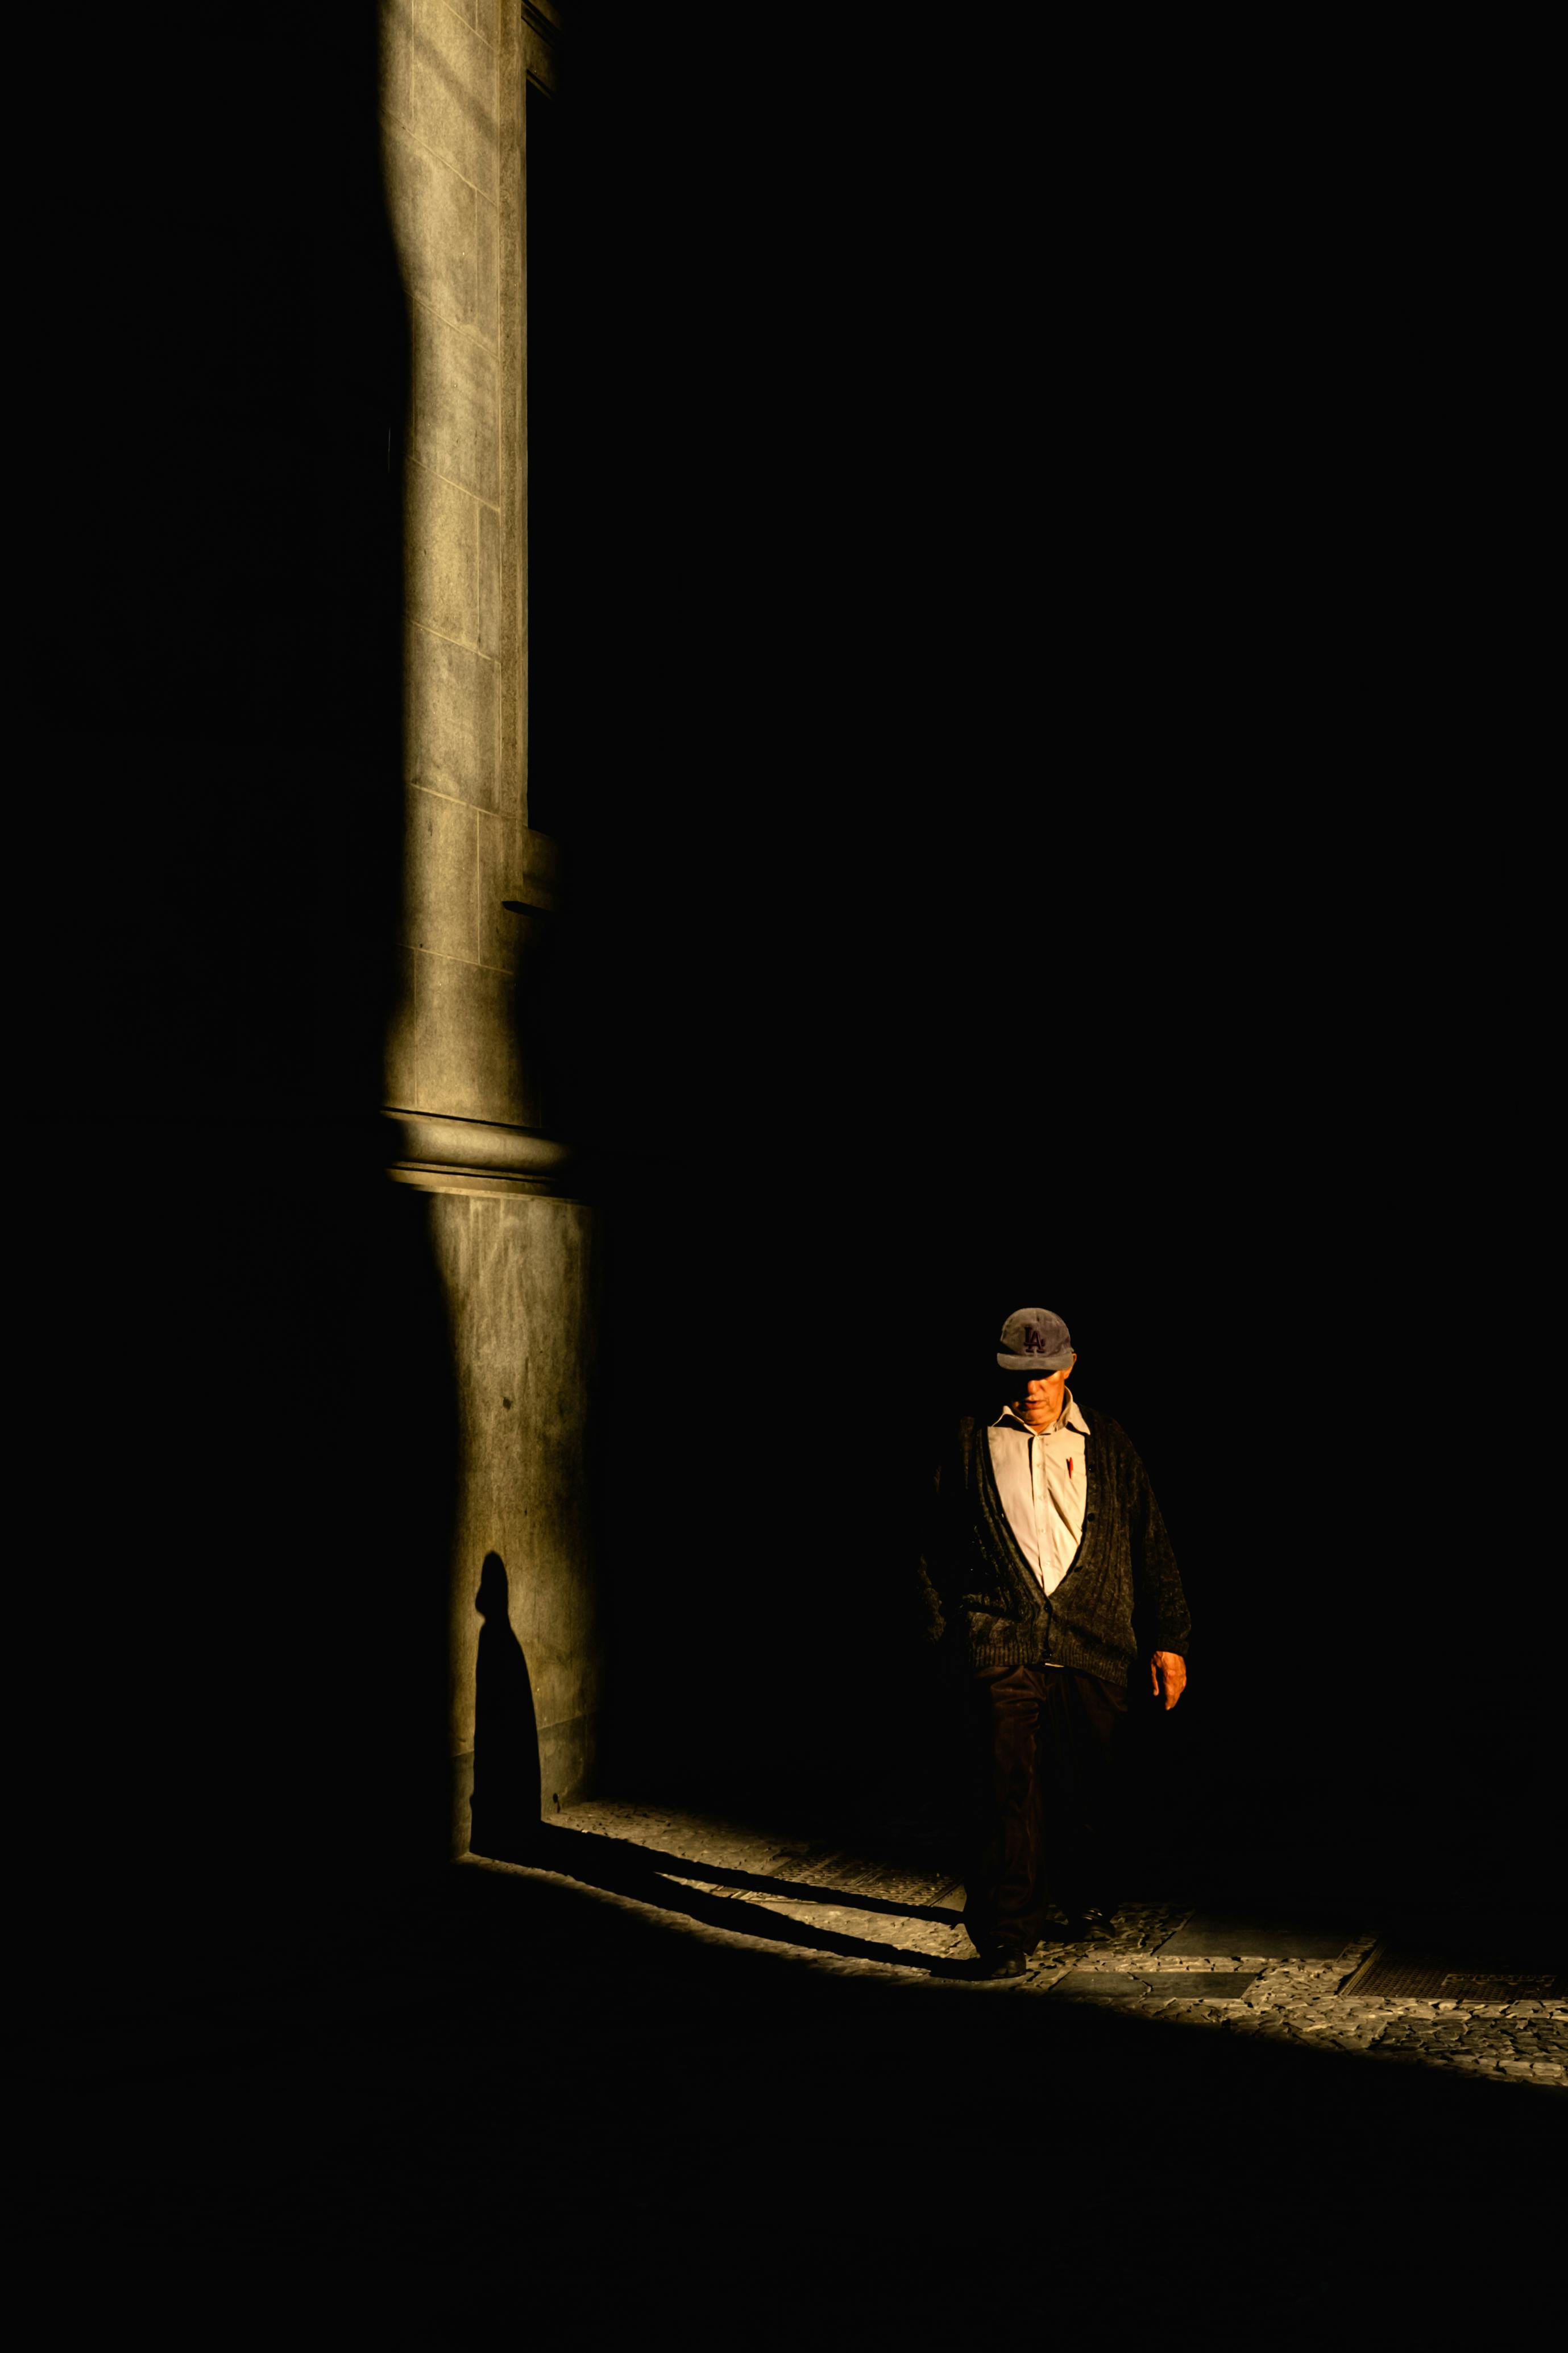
x=516 y=1250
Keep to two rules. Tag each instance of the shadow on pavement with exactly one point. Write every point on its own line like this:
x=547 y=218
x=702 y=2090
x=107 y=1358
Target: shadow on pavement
x=607 y=1862
x=621 y=1867
x=602 y=2108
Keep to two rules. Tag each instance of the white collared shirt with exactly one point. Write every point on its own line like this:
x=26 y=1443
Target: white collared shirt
x=1040 y=1479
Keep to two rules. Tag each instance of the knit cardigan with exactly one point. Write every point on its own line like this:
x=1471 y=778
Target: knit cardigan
x=1120 y=1598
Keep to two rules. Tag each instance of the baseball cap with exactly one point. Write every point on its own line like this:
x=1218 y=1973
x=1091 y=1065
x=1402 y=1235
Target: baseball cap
x=1034 y=1340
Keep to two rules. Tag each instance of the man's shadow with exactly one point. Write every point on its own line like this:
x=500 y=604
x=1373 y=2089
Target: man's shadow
x=506 y=1824
x=505 y=1808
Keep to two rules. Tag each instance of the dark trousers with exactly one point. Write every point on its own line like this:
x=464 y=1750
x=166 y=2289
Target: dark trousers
x=1045 y=1800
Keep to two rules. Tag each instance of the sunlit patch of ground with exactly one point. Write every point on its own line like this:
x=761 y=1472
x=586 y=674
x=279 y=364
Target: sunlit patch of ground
x=855 y=1913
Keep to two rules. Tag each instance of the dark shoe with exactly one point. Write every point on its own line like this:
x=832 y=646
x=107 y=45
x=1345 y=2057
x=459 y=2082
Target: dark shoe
x=1091 y=1928
x=1007 y=1963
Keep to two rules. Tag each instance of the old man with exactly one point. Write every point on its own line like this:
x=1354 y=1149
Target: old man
x=1049 y=1583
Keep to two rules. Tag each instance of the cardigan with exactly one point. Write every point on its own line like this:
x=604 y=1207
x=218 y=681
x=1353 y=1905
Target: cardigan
x=1120 y=1598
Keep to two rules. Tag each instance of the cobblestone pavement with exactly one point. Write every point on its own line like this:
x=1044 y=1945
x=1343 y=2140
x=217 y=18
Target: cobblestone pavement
x=900 y=1920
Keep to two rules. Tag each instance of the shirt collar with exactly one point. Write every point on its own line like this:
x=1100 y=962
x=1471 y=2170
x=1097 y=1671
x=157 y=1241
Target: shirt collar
x=1070 y=1418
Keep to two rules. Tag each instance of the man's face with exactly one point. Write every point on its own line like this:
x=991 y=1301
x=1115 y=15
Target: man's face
x=1038 y=1403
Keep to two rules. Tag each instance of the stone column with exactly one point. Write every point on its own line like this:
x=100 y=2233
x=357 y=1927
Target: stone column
x=469 y=1120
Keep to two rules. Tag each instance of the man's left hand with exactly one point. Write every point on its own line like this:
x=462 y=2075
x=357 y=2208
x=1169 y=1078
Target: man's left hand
x=1168 y=1676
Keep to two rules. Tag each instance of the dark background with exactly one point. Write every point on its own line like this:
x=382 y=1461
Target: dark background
x=1051 y=668
x=1041 y=852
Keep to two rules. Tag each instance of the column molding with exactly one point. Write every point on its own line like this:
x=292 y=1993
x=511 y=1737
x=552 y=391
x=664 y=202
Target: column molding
x=475 y=1156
